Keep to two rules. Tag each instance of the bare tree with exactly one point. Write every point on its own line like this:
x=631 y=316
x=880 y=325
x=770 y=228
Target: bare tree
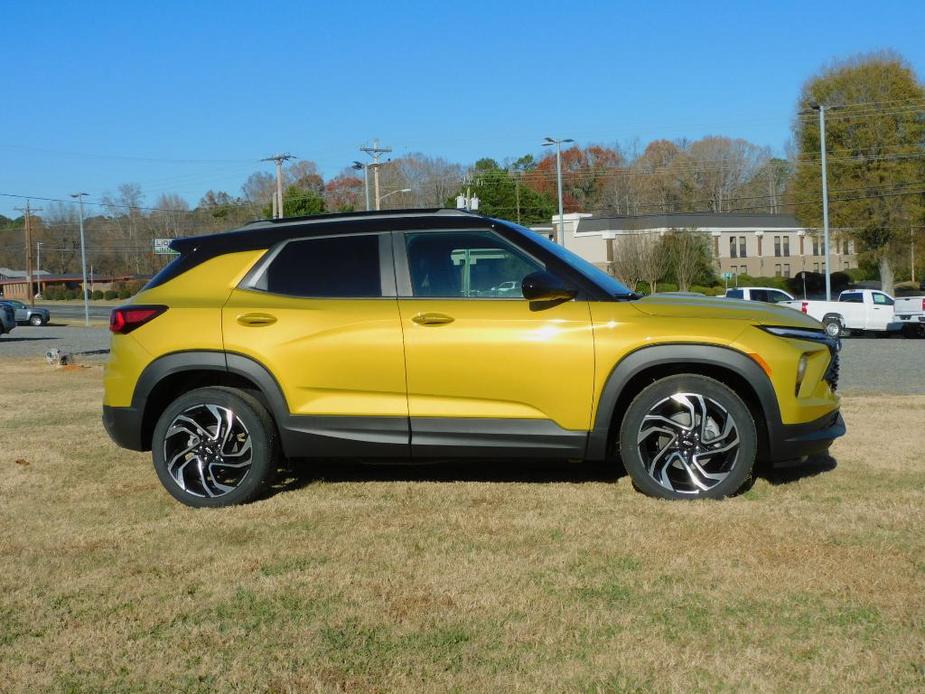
x=629 y=252
x=688 y=254
x=654 y=259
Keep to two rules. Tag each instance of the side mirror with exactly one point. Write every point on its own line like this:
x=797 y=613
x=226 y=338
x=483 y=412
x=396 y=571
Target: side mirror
x=545 y=286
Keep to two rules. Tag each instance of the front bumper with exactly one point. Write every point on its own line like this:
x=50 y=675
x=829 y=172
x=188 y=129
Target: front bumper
x=788 y=442
x=123 y=424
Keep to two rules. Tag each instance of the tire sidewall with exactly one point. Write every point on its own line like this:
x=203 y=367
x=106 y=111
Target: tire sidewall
x=838 y=326
x=741 y=473
x=259 y=428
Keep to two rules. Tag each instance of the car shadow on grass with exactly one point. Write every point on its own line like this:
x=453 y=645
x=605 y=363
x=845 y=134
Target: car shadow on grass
x=301 y=473
x=304 y=472
x=811 y=467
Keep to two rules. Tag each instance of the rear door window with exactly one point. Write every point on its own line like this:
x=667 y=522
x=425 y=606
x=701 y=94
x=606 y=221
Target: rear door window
x=332 y=266
x=735 y=293
x=852 y=298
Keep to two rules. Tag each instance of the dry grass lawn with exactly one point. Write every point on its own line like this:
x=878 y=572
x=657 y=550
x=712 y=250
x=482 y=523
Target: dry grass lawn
x=479 y=578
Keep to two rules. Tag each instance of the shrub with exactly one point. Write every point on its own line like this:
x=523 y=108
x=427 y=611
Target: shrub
x=124 y=294
x=666 y=287
x=110 y=294
x=96 y=294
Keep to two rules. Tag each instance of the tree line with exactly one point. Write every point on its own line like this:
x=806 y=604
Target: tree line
x=875 y=142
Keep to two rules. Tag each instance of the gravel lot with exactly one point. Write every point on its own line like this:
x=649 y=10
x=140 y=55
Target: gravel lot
x=869 y=365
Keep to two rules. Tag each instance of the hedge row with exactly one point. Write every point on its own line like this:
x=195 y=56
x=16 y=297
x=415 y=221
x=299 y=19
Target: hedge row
x=62 y=294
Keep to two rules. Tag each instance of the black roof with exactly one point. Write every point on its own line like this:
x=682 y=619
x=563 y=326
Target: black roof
x=688 y=220
x=266 y=232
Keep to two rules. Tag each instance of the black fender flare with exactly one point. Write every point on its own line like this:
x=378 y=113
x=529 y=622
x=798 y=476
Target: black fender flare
x=644 y=358
x=209 y=360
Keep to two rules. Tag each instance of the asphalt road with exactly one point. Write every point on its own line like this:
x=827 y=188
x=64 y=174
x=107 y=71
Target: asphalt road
x=26 y=341
x=76 y=310
x=869 y=364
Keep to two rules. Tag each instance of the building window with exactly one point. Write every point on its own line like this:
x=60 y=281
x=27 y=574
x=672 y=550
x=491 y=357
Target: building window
x=815 y=267
x=844 y=248
x=732 y=247
x=786 y=269
x=815 y=245
x=742 y=253
x=777 y=249
x=777 y=270
x=847 y=264
x=787 y=246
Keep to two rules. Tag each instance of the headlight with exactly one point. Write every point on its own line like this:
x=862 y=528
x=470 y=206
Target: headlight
x=796 y=333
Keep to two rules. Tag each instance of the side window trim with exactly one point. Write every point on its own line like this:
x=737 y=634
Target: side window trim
x=255 y=279
x=403 y=271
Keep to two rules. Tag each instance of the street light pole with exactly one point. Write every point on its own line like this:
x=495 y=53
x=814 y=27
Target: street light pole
x=379 y=198
x=558 y=143
x=825 y=198
x=83 y=255
x=38 y=266
x=360 y=165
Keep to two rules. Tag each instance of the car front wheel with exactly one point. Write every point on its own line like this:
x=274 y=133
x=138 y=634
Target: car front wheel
x=36 y=320
x=215 y=447
x=688 y=437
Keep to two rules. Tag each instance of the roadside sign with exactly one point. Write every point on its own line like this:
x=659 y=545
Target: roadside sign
x=162 y=247
x=727 y=275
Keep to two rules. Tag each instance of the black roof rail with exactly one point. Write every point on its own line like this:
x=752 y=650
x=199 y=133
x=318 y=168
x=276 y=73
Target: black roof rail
x=334 y=216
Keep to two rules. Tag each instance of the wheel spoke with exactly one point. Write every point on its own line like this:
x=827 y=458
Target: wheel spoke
x=195 y=447
x=688 y=443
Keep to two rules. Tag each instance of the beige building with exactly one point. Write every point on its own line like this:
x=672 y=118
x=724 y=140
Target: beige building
x=760 y=245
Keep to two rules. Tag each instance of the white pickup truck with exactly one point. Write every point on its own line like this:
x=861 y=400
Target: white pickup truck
x=857 y=310
x=910 y=314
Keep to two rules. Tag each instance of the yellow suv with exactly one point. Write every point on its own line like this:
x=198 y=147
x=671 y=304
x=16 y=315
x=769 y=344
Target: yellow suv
x=426 y=334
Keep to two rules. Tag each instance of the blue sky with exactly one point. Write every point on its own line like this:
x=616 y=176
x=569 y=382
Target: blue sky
x=183 y=97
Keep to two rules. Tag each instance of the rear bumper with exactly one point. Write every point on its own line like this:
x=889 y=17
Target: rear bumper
x=123 y=424
x=794 y=441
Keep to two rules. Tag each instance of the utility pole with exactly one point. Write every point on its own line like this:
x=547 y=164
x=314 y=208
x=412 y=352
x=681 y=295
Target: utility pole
x=558 y=143
x=279 y=159
x=27 y=212
x=375 y=151
x=83 y=256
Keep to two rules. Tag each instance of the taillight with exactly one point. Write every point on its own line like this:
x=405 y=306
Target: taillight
x=923 y=303
x=125 y=319
x=804 y=306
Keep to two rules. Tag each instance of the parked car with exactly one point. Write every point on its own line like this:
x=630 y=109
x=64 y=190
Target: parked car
x=857 y=310
x=29 y=315
x=910 y=314
x=764 y=294
x=368 y=335
x=7 y=318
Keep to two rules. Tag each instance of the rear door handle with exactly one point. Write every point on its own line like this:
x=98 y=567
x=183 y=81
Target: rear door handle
x=432 y=319
x=256 y=320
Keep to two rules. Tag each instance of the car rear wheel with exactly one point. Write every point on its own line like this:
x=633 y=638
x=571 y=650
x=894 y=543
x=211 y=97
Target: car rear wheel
x=688 y=437
x=215 y=447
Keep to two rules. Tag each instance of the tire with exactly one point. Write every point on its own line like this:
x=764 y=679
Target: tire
x=200 y=469
x=36 y=320
x=661 y=449
x=833 y=326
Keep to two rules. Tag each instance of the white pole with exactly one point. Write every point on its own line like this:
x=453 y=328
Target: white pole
x=825 y=206
x=83 y=256
x=559 y=180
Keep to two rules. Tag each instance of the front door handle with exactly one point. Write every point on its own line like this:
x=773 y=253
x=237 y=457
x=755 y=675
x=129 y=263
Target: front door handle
x=432 y=319
x=256 y=320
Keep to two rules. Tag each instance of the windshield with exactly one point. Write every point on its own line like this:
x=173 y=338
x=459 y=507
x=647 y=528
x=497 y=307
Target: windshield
x=606 y=282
